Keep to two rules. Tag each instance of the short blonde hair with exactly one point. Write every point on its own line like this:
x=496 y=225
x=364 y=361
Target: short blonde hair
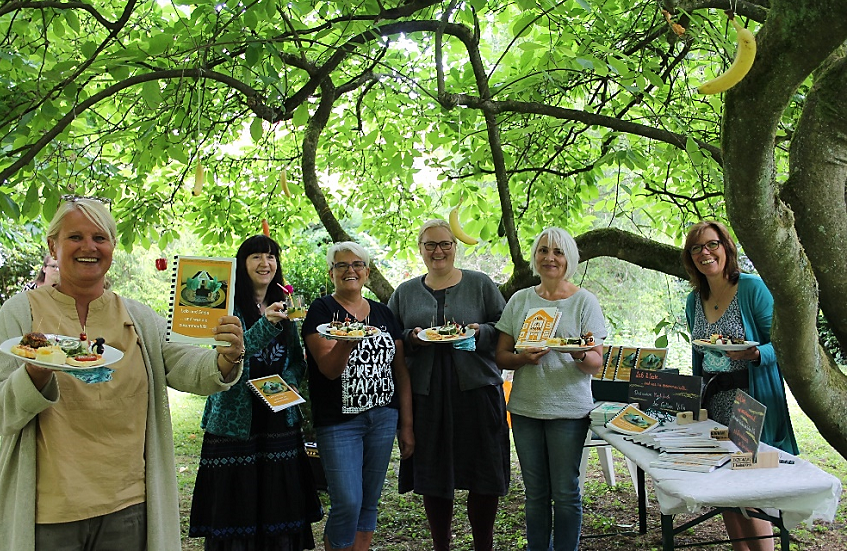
x=435 y=223
x=349 y=246
x=557 y=238
x=92 y=209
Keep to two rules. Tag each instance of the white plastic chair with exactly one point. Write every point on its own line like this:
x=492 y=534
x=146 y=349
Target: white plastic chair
x=604 y=454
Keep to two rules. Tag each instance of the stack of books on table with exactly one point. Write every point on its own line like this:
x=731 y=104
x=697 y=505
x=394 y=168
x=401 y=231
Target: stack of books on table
x=604 y=412
x=681 y=440
x=697 y=462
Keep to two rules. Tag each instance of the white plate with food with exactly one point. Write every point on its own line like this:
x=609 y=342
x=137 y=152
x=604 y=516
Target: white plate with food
x=724 y=347
x=446 y=333
x=569 y=348
x=528 y=345
x=560 y=344
x=347 y=331
x=54 y=356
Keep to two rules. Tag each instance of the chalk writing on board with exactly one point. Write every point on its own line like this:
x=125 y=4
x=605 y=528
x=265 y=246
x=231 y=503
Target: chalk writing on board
x=746 y=421
x=666 y=392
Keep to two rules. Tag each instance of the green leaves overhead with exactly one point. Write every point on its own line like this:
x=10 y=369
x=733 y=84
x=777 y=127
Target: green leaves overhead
x=237 y=85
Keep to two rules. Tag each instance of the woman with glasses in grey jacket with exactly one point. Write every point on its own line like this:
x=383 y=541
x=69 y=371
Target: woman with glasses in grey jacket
x=461 y=434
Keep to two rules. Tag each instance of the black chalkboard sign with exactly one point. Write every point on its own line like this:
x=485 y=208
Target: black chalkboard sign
x=746 y=422
x=665 y=392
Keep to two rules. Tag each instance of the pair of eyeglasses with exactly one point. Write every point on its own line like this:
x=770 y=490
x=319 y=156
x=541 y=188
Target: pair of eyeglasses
x=357 y=265
x=431 y=245
x=74 y=198
x=710 y=245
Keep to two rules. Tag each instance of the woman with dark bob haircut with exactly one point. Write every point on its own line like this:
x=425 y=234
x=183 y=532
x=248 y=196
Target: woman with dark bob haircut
x=737 y=305
x=254 y=487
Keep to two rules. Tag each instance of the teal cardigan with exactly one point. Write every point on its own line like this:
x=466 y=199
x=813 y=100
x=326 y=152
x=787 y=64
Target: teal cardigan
x=756 y=304
x=230 y=413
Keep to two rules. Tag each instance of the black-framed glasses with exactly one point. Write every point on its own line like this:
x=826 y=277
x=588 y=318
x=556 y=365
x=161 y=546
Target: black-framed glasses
x=710 y=245
x=357 y=265
x=74 y=198
x=431 y=245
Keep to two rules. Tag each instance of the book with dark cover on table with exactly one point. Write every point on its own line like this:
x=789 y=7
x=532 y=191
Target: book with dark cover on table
x=275 y=392
x=202 y=291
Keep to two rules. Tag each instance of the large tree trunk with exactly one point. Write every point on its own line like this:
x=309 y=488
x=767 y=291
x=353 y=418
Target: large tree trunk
x=796 y=39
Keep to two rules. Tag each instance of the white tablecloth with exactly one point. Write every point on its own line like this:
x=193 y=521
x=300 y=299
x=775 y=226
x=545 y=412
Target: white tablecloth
x=802 y=491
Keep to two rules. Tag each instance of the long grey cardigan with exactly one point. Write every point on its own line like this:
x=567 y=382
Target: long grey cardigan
x=181 y=366
x=475 y=299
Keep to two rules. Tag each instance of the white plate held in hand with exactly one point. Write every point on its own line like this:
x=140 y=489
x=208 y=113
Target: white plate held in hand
x=110 y=355
x=724 y=347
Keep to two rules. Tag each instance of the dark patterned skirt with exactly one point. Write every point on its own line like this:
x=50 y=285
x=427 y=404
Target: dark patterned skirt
x=461 y=439
x=255 y=494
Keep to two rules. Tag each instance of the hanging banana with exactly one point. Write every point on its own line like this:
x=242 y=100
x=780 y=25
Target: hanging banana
x=744 y=55
x=199 y=177
x=283 y=182
x=456 y=228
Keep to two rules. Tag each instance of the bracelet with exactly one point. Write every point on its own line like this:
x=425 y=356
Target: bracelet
x=237 y=360
x=580 y=360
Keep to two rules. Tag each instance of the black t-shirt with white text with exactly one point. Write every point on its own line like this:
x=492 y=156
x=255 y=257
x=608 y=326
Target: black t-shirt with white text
x=368 y=380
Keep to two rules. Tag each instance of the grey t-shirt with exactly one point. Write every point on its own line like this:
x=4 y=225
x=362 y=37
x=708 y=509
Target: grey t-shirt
x=556 y=388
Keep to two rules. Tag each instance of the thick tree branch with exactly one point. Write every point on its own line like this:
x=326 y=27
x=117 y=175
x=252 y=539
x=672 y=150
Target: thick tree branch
x=615 y=243
x=591 y=119
x=311 y=139
x=118 y=26
x=815 y=189
x=14 y=6
x=110 y=91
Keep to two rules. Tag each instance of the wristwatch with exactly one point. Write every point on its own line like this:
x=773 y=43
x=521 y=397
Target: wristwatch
x=580 y=360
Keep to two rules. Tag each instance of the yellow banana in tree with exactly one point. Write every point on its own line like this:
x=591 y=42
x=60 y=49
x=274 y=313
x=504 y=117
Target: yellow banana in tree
x=199 y=178
x=283 y=182
x=456 y=228
x=744 y=55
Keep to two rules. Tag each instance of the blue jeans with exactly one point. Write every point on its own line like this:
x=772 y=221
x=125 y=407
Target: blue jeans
x=550 y=451
x=355 y=456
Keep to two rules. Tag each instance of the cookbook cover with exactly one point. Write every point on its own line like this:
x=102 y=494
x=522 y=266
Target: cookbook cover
x=202 y=290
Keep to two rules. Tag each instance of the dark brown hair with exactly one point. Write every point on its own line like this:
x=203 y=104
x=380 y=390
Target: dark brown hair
x=730 y=269
x=245 y=299
x=42 y=275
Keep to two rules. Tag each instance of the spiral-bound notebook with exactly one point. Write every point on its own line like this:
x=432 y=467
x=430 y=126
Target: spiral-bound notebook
x=202 y=290
x=275 y=392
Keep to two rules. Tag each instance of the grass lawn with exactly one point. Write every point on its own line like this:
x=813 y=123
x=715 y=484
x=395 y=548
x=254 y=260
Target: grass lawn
x=402 y=522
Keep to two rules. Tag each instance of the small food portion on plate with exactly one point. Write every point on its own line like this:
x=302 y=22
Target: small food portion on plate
x=717 y=338
x=449 y=332
x=29 y=345
x=348 y=330
x=581 y=341
x=51 y=354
